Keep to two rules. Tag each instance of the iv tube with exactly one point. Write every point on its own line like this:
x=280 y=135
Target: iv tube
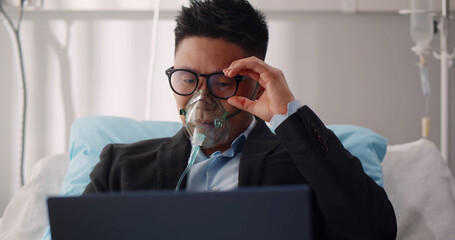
x=422 y=31
x=426 y=92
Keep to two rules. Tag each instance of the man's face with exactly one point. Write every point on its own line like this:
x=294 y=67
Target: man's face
x=209 y=55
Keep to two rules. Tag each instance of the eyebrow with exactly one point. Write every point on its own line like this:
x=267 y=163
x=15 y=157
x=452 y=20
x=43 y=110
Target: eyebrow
x=192 y=70
x=186 y=68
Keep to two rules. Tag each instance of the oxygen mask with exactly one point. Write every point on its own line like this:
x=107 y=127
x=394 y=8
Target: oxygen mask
x=206 y=121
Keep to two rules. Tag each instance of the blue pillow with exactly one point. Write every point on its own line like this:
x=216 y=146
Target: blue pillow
x=90 y=134
x=88 y=137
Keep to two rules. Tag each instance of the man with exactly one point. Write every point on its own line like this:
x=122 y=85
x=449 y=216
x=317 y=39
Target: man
x=220 y=82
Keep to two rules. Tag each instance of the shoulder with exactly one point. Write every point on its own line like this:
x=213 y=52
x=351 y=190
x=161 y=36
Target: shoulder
x=149 y=145
x=145 y=150
x=131 y=153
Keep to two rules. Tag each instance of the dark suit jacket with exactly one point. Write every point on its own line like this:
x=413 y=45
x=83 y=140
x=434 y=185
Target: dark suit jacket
x=347 y=204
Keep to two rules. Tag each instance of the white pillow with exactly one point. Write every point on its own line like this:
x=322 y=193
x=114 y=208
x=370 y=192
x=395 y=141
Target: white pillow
x=25 y=217
x=421 y=188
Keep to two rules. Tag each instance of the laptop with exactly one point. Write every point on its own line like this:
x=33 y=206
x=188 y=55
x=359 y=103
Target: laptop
x=265 y=213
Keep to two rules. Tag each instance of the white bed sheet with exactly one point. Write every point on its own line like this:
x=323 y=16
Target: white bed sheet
x=421 y=188
x=25 y=217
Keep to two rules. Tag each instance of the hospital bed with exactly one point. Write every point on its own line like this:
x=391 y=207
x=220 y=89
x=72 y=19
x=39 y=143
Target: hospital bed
x=415 y=176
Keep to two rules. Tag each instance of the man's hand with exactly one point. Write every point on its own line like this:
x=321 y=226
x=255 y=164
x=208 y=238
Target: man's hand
x=275 y=96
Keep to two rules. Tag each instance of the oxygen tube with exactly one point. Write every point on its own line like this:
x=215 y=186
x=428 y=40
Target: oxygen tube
x=196 y=142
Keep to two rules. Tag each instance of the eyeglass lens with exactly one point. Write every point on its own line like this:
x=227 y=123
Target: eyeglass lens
x=219 y=85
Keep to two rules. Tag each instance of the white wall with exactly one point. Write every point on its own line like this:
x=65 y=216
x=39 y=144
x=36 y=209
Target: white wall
x=359 y=69
x=350 y=68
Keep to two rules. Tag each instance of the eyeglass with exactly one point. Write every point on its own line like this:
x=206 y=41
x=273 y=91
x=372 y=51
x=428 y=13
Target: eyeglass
x=184 y=82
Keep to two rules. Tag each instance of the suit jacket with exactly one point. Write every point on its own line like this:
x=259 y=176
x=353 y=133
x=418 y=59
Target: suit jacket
x=347 y=203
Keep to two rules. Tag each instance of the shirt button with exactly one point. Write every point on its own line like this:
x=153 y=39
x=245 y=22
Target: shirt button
x=216 y=189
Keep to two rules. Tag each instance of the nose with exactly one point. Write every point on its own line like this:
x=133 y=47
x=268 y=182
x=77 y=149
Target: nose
x=202 y=98
x=203 y=84
x=205 y=104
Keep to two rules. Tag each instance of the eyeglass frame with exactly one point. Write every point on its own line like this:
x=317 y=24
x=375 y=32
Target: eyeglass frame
x=171 y=71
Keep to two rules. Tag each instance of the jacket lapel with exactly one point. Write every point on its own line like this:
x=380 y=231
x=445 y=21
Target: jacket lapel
x=172 y=160
x=260 y=142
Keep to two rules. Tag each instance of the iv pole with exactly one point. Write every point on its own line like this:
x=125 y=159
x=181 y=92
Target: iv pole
x=444 y=56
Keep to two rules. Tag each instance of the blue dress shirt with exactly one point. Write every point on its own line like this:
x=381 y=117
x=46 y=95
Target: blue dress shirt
x=220 y=171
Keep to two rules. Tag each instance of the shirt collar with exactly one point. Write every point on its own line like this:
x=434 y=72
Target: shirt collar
x=237 y=144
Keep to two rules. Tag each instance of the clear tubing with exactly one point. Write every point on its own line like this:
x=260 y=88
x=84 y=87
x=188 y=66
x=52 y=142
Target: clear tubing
x=197 y=141
x=424 y=78
x=194 y=151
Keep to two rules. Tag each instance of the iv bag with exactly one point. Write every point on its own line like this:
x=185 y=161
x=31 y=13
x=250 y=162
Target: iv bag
x=421 y=22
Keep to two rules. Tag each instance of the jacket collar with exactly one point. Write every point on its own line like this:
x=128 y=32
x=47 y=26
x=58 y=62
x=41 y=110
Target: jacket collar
x=173 y=157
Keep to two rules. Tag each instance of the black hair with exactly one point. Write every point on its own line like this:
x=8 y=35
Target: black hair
x=235 y=21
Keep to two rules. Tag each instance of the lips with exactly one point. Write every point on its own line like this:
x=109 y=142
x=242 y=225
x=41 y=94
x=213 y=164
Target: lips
x=204 y=123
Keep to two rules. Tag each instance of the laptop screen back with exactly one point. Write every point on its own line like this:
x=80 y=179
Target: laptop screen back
x=252 y=213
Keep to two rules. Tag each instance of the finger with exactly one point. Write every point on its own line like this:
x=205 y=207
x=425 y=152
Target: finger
x=252 y=63
x=250 y=74
x=255 y=76
x=242 y=103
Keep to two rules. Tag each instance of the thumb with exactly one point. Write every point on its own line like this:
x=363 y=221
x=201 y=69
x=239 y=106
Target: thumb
x=242 y=103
